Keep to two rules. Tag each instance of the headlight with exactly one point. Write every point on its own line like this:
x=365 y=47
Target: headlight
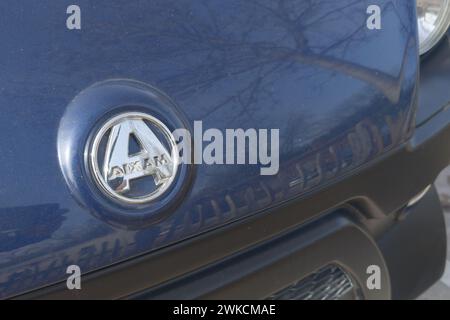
x=434 y=19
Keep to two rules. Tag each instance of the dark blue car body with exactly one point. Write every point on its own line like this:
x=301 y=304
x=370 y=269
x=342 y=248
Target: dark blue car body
x=357 y=133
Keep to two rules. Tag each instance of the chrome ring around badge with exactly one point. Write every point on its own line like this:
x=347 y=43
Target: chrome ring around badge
x=133 y=158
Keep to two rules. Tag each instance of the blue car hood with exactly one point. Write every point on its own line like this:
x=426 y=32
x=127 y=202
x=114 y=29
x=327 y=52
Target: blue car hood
x=341 y=95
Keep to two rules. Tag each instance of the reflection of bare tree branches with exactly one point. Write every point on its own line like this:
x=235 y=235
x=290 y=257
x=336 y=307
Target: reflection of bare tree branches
x=208 y=42
x=389 y=85
x=222 y=53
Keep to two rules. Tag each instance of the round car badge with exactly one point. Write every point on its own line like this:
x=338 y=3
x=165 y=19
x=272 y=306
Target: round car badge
x=118 y=154
x=134 y=158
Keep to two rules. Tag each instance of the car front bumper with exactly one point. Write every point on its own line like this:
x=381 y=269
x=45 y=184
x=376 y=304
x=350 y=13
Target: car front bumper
x=361 y=220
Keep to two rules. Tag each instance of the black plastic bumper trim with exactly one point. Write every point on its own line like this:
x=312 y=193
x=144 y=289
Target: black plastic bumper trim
x=258 y=272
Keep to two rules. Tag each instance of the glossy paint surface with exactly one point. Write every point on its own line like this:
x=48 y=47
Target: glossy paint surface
x=340 y=94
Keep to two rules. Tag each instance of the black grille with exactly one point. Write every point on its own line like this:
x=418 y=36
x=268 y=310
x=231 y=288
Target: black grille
x=327 y=283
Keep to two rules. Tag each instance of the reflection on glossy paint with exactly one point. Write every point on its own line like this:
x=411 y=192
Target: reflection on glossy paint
x=26 y=225
x=340 y=94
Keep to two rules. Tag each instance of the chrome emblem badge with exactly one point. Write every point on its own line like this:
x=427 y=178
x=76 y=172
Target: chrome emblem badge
x=133 y=158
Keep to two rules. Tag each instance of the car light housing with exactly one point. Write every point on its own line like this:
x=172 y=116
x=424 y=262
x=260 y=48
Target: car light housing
x=433 y=17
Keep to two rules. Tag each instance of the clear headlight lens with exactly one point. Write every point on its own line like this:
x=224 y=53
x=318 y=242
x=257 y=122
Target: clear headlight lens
x=433 y=17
